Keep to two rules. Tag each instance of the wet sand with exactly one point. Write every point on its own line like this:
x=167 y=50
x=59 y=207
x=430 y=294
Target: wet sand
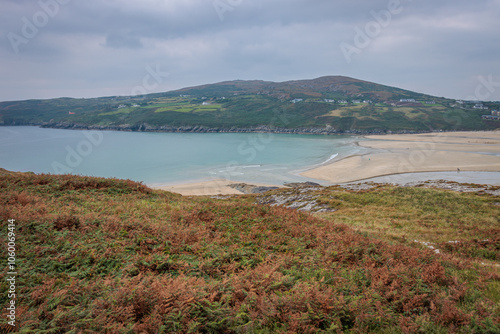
x=388 y=155
x=397 y=154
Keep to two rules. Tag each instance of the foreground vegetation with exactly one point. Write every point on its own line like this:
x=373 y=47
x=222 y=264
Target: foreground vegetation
x=113 y=256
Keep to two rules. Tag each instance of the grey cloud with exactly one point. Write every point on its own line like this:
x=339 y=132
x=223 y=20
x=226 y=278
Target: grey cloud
x=123 y=40
x=104 y=45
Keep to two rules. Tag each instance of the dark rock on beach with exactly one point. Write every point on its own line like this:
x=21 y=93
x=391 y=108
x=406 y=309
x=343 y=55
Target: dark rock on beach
x=251 y=189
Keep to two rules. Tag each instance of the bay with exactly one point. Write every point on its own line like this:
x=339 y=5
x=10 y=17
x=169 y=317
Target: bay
x=169 y=158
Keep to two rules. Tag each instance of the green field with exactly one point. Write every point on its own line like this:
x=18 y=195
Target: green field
x=186 y=107
x=118 y=112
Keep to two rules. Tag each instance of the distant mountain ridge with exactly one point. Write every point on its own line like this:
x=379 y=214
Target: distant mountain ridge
x=329 y=104
x=319 y=87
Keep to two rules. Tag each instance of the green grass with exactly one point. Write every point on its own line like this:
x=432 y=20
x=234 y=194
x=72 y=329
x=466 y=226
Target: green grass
x=164 y=105
x=190 y=108
x=180 y=110
x=118 y=112
x=464 y=224
x=173 y=108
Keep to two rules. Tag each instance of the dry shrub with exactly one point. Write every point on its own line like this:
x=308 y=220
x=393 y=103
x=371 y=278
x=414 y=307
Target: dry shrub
x=5 y=212
x=66 y=222
x=68 y=182
x=146 y=301
x=211 y=266
x=486 y=249
x=6 y=328
x=450 y=316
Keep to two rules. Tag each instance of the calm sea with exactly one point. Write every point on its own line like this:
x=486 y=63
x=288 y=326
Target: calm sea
x=167 y=158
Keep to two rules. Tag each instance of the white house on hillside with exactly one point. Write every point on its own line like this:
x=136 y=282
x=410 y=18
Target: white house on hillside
x=479 y=106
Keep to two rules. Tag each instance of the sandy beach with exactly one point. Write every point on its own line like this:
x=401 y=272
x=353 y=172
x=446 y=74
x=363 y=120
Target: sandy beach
x=429 y=152
x=208 y=188
x=387 y=155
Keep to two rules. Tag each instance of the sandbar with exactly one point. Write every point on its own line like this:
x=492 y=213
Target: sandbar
x=411 y=153
x=387 y=155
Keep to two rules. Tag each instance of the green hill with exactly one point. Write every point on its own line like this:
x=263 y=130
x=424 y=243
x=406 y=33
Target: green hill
x=332 y=103
x=112 y=256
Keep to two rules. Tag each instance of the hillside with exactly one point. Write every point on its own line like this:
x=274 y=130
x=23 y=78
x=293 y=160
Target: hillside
x=329 y=104
x=104 y=255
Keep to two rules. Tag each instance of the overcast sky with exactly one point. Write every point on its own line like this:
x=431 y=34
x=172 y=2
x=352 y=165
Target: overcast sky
x=91 y=48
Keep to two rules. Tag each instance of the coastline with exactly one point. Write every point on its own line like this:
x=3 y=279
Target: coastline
x=375 y=156
x=202 y=129
x=477 y=151
x=387 y=155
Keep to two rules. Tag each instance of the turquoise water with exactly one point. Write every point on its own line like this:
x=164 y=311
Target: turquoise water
x=167 y=158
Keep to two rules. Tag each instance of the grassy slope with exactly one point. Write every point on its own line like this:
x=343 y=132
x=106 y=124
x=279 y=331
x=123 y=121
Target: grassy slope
x=258 y=103
x=101 y=255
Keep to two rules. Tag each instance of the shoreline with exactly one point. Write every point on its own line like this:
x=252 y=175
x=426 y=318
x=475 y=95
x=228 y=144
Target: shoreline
x=223 y=187
x=386 y=156
x=202 y=129
x=209 y=187
x=378 y=156
x=408 y=178
x=475 y=151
